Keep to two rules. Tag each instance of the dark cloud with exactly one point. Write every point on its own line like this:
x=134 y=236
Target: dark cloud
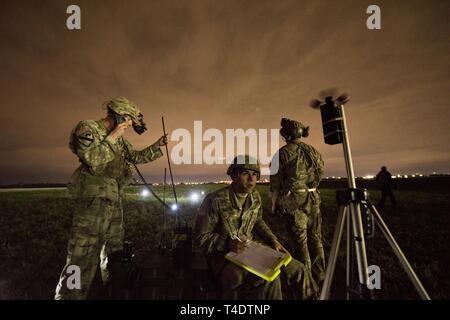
x=232 y=64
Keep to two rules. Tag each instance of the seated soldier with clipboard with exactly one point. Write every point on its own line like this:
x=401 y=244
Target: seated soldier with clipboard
x=227 y=218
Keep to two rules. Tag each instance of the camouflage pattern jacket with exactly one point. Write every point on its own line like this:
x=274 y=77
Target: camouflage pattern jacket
x=105 y=162
x=219 y=217
x=300 y=167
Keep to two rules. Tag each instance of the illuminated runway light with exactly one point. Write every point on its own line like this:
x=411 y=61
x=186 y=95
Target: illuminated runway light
x=194 y=197
x=145 y=193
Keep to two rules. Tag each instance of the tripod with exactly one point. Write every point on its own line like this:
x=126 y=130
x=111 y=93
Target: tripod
x=350 y=202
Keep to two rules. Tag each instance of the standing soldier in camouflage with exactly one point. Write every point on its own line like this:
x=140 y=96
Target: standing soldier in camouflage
x=384 y=179
x=295 y=175
x=97 y=186
x=235 y=212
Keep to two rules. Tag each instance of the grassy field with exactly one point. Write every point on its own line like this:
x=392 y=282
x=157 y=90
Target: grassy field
x=34 y=228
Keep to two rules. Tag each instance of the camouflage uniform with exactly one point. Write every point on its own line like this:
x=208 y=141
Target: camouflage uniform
x=219 y=217
x=300 y=168
x=97 y=186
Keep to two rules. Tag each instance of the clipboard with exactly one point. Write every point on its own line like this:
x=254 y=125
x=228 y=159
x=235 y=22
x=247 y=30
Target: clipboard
x=260 y=260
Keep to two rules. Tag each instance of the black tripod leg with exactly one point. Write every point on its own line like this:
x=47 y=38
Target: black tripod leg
x=399 y=253
x=333 y=253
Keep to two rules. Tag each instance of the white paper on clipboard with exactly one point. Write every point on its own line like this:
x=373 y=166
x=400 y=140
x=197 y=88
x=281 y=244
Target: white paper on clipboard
x=260 y=260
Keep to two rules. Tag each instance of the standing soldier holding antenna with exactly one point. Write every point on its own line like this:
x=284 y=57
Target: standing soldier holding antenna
x=97 y=186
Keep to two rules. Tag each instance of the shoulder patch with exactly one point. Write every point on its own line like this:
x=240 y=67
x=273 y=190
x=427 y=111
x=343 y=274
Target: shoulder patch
x=86 y=139
x=84 y=133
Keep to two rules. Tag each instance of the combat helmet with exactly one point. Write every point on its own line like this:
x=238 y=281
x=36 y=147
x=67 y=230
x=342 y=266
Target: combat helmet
x=122 y=107
x=291 y=129
x=244 y=162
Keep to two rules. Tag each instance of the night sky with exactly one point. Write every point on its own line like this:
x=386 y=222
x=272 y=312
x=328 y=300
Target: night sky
x=231 y=64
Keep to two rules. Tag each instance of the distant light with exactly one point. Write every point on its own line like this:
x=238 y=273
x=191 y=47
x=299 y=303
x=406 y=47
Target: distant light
x=413 y=176
x=194 y=197
x=368 y=177
x=145 y=193
x=174 y=207
x=203 y=192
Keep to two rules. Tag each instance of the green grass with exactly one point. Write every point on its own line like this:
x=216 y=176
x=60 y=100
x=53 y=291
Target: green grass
x=34 y=229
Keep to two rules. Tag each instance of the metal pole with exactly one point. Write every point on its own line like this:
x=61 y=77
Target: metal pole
x=400 y=255
x=355 y=211
x=347 y=152
x=171 y=176
x=164 y=197
x=162 y=241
